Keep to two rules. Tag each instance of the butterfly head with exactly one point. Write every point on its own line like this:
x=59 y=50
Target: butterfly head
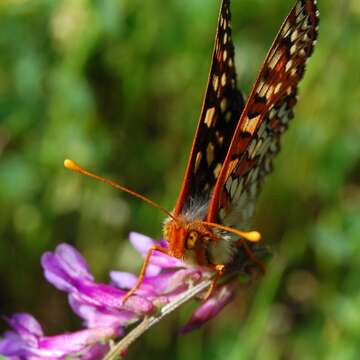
x=186 y=238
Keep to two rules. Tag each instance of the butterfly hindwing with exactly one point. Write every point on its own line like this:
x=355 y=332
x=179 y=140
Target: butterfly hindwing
x=221 y=109
x=264 y=118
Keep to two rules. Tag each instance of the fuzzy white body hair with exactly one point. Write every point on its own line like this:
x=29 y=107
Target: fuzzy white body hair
x=223 y=251
x=197 y=210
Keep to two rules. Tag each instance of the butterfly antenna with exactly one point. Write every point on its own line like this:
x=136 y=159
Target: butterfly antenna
x=252 y=236
x=73 y=166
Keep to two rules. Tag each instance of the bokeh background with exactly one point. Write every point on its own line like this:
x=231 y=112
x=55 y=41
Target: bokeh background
x=117 y=85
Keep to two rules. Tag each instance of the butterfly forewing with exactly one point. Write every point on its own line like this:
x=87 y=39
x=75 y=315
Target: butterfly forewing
x=222 y=106
x=264 y=118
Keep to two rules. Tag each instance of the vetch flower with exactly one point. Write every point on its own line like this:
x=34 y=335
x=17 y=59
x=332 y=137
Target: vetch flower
x=27 y=341
x=101 y=307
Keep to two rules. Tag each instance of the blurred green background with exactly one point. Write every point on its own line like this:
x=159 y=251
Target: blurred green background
x=117 y=85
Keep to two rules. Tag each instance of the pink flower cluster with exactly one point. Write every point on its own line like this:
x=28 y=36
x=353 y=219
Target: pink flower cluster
x=101 y=307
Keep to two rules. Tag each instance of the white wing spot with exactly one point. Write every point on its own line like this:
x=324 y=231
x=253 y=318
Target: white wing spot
x=298 y=8
x=282 y=110
x=294 y=36
x=262 y=88
x=222 y=213
x=272 y=113
x=253 y=189
x=239 y=190
x=224 y=55
x=277 y=88
x=305 y=25
x=225 y=38
x=300 y=18
x=257 y=149
x=288 y=65
x=286 y=29
x=267 y=165
x=261 y=129
x=306 y=37
x=285 y=119
x=274 y=146
x=293 y=50
x=275 y=59
x=233 y=188
x=252 y=146
x=228 y=185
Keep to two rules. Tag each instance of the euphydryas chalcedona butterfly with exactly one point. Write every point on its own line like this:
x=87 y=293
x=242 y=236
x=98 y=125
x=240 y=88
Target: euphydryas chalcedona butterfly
x=234 y=145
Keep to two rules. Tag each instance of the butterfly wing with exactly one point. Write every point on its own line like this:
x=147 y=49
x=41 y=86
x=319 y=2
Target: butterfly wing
x=264 y=118
x=222 y=106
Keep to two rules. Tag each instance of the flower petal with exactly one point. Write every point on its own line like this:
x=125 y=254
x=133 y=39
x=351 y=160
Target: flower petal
x=140 y=242
x=54 y=273
x=25 y=324
x=210 y=308
x=11 y=344
x=72 y=261
x=72 y=342
x=169 y=281
x=95 y=352
x=109 y=296
x=101 y=316
x=123 y=280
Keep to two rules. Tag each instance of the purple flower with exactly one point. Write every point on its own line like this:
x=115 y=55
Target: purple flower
x=27 y=341
x=105 y=315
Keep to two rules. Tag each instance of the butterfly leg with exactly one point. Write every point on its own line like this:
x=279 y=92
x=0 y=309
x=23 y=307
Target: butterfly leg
x=143 y=269
x=252 y=257
x=219 y=271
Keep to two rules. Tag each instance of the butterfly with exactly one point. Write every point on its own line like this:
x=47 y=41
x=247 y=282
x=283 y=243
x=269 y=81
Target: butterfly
x=234 y=145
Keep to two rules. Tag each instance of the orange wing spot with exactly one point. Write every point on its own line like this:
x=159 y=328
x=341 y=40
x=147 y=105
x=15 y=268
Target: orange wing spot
x=274 y=123
x=228 y=116
x=217 y=170
x=210 y=153
x=242 y=144
x=251 y=124
x=244 y=167
x=197 y=161
x=280 y=65
x=219 y=137
x=223 y=105
x=209 y=117
x=232 y=166
x=223 y=79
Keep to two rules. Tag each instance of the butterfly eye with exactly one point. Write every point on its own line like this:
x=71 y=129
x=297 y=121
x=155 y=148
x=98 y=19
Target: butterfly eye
x=191 y=239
